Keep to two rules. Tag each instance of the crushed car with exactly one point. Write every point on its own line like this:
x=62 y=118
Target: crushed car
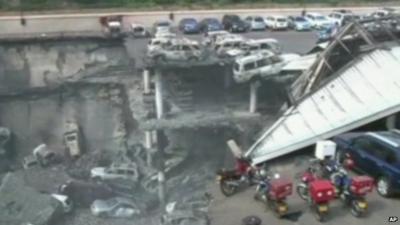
x=72 y=139
x=115 y=207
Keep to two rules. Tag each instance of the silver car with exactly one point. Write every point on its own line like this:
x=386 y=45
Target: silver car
x=256 y=22
x=115 y=207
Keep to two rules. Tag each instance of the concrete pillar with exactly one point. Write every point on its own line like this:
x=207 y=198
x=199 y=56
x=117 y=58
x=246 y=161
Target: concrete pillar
x=161 y=144
x=391 y=122
x=227 y=78
x=148 y=140
x=146 y=81
x=253 y=97
x=159 y=94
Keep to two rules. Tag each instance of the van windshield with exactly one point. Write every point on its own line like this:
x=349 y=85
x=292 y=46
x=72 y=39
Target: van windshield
x=281 y=20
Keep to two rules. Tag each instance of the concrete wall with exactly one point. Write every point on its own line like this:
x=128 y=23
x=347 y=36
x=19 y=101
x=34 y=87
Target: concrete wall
x=41 y=64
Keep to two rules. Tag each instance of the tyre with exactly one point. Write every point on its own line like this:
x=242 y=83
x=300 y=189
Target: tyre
x=226 y=188
x=384 y=187
x=159 y=59
x=320 y=216
x=192 y=59
x=302 y=191
x=355 y=209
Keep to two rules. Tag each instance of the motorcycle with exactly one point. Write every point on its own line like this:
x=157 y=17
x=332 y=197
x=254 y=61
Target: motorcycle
x=274 y=193
x=317 y=192
x=230 y=181
x=353 y=192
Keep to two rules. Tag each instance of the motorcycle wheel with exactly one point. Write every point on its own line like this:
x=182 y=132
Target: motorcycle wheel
x=320 y=216
x=355 y=210
x=226 y=189
x=302 y=191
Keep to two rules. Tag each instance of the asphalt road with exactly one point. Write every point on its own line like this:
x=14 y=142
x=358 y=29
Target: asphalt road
x=292 y=41
x=231 y=211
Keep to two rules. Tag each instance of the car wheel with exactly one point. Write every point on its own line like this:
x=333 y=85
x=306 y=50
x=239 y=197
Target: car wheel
x=192 y=59
x=96 y=179
x=384 y=187
x=159 y=58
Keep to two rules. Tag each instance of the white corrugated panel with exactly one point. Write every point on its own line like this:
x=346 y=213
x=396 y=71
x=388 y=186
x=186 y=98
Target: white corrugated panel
x=360 y=94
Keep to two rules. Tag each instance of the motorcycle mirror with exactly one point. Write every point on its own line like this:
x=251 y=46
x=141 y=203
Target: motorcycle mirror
x=277 y=176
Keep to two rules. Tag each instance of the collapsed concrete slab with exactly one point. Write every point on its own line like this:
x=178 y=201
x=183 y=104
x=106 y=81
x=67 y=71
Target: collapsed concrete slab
x=21 y=204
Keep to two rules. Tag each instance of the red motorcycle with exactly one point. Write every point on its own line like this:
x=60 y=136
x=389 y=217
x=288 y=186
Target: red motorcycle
x=354 y=194
x=230 y=181
x=321 y=193
x=302 y=187
x=274 y=193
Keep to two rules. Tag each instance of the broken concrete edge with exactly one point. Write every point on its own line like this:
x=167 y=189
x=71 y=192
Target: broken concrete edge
x=23 y=204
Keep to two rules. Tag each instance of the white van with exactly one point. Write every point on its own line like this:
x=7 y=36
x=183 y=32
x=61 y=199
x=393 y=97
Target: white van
x=230 y=46
x=261 y=65
x=277 y=22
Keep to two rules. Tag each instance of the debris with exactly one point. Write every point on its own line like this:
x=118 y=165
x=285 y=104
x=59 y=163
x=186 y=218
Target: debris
x=123 y=171
x=251 y=220
x=22 y=204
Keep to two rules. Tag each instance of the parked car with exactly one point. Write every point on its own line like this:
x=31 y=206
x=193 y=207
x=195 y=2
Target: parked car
x=318 y=21
x=260 y=66
x=210 y=24
x=139 y=31
x=382 y=12
x=276 y=23
x=255 y=23
x=179 y=50
x=125 y=171
x=229 y=45
x=234 y=23
x=115 y=207
x=338 y=17
x=189 y=26
x=299 y=23
x=212 y=36
x=376 y=154
x=162 y=26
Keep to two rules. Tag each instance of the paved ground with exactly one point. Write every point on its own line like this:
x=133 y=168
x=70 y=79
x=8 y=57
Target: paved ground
x=230 y=211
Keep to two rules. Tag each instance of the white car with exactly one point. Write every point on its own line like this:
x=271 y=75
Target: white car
x=179 y=50
x=115 y=207
x=382 y=12
x=229 y=46
x=337 y=17
x=116 y=171
x=256 y=22
x=212 y=36
x=260 y=66
x=277 y=22
x=265 y=44
x=157 y=43
x=318 y=21
x=139 y=31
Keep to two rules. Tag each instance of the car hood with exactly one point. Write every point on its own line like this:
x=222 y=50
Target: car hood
x=302 y=23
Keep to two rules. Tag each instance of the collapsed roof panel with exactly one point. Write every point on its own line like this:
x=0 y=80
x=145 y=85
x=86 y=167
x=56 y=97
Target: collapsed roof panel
x=358 y=93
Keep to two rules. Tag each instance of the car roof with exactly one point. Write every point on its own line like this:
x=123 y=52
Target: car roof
x=264 y=40
x=252 y=58
x=391 y=137
x=314 y=14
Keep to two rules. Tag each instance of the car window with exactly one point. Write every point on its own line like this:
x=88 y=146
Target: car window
x=185 y=48
x=263 y=62
x=253 y=48
x=258 y=19
x=275 y=59
x=195 y=47
x=375 y=149
x=236 y=67
x=265 y=46
x=249 y=66
x=281 y=20
x=174 y=48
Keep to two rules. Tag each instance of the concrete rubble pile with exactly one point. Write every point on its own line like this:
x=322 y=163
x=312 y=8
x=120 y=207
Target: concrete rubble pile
x=21 y=204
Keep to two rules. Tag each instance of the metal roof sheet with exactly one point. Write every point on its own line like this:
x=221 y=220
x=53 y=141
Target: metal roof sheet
x=367 y=90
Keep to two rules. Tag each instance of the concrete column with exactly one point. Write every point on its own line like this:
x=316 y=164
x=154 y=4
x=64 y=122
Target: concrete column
x=253 y=97
x=391 y=122
x=161 y=144
x=146 y=81
x=227 y=78
x=159 y=94
x=148 y=140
